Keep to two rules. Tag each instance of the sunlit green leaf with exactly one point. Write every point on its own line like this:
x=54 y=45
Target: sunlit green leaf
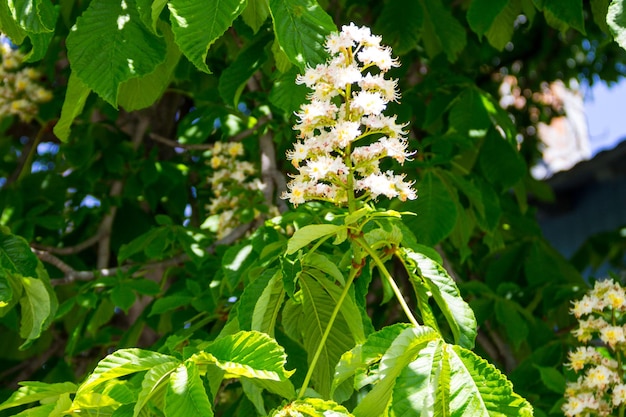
x=197 y=25
x=309 y=233
x=185 y=394
x=121 y=363
x=301 y=27
x=248 y=353
x=457 y=312
x=616 y=19
x=154 y=385
x=109 y=45
x=36 y=308
x=31 y=391
x=140 y=92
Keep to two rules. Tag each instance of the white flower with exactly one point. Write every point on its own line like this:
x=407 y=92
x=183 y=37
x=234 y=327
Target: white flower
x=599 y=377
x=357 y=34
x=387 y=88
x=381 y=57
x=336 y=42
x=369 y=102
x=311 y=75
x=299 y=153
x=346 y=105
x=345 y=132
x=612 y=335
x=619 y=394
x=340 y=76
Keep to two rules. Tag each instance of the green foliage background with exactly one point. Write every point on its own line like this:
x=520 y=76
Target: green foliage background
x=143 y=88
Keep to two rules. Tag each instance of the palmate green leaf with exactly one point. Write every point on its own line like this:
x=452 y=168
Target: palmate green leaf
x=154 y=385
x=34 y=16
x=249 y=354
x=404 y=348
x=457 y=312
x=36 y=307
x=323 y=264
x=120 y=363
x=197 y=24
x=75 y=98
x=286 y=94
x=16 y=256
x=6 y=292
x=616 y=20
x=149 y=11
x=413 y=392
x=482 y=13
x=317 y=307
x=256 y=13
x=9 y=26
x=266 y=310
x=564 y=14
x=468 y=115
x=500 y=162
x=510 y=318
x=312 y=407
x=450 y=380
x=248 y=61
x=141 y=92
x=185 y=394
x=442 y=32
x=364 y=355
x=501 y=32
x=309 y=233
x=109 y=45
x=435 y=209
x=301 y=27
x=259 y=312
x=599 y=9
x=31 y=391
x=400 y=24
x=479 y=388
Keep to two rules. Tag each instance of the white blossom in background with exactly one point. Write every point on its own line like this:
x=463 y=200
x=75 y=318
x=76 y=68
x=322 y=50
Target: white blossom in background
x=20 y=89
x=599 y=389
x=237 y=190
x=343 y=133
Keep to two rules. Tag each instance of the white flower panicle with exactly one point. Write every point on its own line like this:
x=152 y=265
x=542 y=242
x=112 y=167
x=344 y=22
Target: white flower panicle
x=600 y=386
x=345 y=109
x=236 y=188
x=20 y=91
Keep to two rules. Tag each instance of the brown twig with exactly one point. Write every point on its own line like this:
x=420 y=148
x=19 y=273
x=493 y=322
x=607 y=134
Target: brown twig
x=69 y=250
x=71 y=275
x=206 y=146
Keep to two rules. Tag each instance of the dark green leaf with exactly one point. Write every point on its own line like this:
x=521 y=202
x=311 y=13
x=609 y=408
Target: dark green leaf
x=500 y=162
x=400 y=23
x=442 y=32
x=568 y=12
x=482 y=13
x=234 y=78
x=435 y=210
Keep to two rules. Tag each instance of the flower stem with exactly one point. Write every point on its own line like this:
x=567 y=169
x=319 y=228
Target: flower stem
x=322 y=343
x=383 y=269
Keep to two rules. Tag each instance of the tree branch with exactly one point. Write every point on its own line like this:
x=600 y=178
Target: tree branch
x=69 y=250
x=71 y=275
